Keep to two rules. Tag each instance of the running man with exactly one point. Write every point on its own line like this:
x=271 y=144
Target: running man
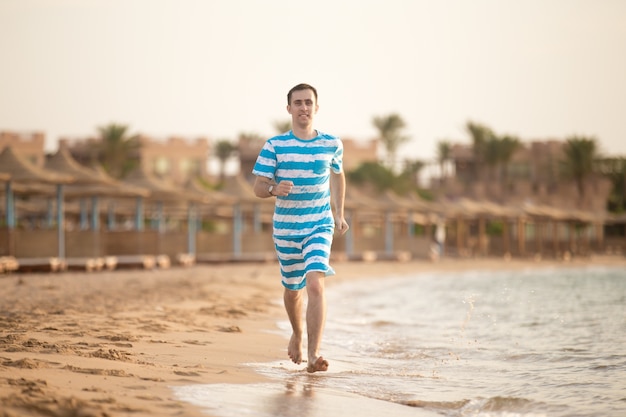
x=303 y=169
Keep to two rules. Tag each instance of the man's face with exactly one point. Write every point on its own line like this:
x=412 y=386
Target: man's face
x=302 y=107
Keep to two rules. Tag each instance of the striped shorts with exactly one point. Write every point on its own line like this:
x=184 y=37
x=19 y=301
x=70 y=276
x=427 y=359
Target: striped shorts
x=300 y=255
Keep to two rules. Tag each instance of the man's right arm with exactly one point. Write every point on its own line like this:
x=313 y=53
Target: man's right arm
x=261 y=187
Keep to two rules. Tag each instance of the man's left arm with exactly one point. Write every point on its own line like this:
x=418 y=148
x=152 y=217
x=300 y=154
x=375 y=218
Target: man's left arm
x=338 y=196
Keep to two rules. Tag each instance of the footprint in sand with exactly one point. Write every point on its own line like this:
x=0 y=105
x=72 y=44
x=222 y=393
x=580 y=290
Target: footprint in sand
x=111 y=354
x=27 y=363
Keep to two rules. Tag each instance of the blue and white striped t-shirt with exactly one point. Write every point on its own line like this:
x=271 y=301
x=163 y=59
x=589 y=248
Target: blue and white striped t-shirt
x=307 y=163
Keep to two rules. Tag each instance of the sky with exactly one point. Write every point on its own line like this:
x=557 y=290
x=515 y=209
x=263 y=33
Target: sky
x=536 y=69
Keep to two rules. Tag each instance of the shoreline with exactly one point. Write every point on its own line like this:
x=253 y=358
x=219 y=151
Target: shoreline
x=116 y=343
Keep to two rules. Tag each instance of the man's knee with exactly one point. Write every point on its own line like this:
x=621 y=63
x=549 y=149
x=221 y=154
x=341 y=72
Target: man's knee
x=292 y=295
x=315 y=283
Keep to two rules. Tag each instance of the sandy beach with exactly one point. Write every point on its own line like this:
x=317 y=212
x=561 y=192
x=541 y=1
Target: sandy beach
x=115 y=343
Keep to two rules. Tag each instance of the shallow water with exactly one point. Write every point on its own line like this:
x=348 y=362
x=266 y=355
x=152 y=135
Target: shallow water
x=548 y=342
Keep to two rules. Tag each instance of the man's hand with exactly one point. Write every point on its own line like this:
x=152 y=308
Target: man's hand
x=283 y=188
x=341 y=225
x=262 y=186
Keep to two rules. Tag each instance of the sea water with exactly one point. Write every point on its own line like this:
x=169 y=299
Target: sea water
x=538 y=342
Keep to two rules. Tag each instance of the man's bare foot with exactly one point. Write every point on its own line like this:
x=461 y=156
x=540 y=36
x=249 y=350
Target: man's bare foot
x=294 y=350
x=320 y=364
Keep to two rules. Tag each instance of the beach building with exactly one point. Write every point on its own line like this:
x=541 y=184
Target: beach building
x=29 y=144
x=175 y=158
x=533 y=175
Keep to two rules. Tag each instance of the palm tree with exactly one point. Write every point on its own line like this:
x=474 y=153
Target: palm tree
x=224 y=149
x=118 y=151
x=374 y=174
x=481 y=135
x=491 y=156
x=444 y=148
x=389 y=130
x=615 y=170
x=412 y=169
x=580 y=155
x=618 y=195
x=508 y=146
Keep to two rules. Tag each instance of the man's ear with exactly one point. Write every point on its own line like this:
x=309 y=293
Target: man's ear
x=289 y=108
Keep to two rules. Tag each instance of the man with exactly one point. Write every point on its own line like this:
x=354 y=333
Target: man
x=303 y=169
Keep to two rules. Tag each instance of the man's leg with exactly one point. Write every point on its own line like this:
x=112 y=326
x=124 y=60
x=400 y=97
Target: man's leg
x=315 y=320
x=293 y=306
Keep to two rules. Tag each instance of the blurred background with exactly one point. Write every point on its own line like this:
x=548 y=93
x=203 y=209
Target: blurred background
x=463 y=104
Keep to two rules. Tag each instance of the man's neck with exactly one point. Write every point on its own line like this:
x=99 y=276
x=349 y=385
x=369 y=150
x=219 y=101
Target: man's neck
x=306 y=133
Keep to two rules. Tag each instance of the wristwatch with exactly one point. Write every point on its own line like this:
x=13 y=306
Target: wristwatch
x=270 y=189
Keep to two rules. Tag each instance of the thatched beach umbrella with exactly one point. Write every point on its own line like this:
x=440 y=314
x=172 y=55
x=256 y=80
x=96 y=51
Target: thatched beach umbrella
x=217 y=202
x=465 y=211
x=22 y=171
x=397 y=209
x=91 y=183
x=161 y=191
x=570 y=219
x=236 y=186
x=361 y=210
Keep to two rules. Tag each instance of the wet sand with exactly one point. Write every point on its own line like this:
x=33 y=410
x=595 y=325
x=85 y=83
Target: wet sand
x=121 y=343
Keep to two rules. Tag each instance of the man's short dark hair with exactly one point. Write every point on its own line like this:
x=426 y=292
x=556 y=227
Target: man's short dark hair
x=300 y=87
